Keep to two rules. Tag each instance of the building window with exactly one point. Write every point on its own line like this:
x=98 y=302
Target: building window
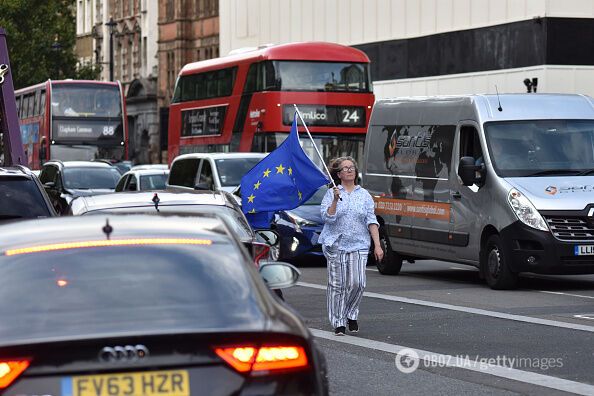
x=88 y=16
x=169 y=10
x=145 y=70
x=170 y=72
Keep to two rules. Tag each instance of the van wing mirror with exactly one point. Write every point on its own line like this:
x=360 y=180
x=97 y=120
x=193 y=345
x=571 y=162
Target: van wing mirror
x=467 y=171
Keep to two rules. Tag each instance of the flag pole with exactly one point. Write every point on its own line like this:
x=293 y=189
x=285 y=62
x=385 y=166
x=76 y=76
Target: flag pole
x=314 y=144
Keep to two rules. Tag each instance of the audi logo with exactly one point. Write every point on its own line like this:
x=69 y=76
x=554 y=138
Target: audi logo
x=123 y=354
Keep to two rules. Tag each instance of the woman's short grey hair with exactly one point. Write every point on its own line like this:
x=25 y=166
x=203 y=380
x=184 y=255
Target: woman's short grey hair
x=336 y=166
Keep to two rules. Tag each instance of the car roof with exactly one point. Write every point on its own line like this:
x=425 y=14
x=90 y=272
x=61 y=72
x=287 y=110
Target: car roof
x=16 y=171
x=145 y=198
x=150 y=166
x=81 y=164
x=83 y=228
x=144 y=172
x=221 y=155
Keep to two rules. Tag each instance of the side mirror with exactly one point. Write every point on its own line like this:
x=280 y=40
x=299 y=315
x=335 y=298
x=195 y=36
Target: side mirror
x=467 y=171
x=279 y=275
x=271 y=237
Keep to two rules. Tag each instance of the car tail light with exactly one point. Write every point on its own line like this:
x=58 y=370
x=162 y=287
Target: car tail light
x=10 y=370
x=263 y=359
x=260 y=251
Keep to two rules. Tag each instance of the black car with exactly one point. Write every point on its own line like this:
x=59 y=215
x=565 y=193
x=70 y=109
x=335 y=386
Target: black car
x=22 y=196
x=66 y=180
x=261 y=244
x=146 y=305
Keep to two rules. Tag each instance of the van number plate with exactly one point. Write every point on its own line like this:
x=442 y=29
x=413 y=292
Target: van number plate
x=584 y=250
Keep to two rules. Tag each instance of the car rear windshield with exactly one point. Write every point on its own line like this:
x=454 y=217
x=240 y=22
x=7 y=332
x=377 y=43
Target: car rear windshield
x=86 y=178
x=74 y=292
x=153 y=182
x=21 y=198
x=231 y=170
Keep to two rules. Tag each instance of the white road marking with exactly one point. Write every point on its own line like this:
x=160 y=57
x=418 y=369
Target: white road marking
x=474 y=311
x=466 y=364
x=591 y=317
x=565 y=294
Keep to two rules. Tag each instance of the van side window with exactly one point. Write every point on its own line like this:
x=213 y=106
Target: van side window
x=132 y=184
x=183 y=172
x=206 y=175
x=470 y=145
x=48 y=174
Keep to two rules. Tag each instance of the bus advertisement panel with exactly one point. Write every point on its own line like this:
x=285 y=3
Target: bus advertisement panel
x=73 y=120
x=245 y=101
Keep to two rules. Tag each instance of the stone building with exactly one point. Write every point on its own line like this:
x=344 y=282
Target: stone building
x=188 y=32
x=135 y=64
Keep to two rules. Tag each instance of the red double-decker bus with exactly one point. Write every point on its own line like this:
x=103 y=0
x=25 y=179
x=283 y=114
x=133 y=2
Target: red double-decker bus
x=73 y=120
x=244 y=102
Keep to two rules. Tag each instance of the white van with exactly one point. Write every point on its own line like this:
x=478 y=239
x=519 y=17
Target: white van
x=503 y=183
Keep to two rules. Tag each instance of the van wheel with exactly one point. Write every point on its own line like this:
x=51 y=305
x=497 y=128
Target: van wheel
x=391 y=263
x=496 y=266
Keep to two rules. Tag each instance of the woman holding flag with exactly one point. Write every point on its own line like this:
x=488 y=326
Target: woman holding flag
x=349 y=221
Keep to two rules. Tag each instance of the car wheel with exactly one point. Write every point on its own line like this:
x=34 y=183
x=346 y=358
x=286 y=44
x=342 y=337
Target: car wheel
x=495 y=264
x=391 y=263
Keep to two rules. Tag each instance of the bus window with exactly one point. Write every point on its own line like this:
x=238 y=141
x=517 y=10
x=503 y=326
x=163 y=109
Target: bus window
x=18 y=105
x=42 y=103
x=207 y=85
x=37 y=103
x=251 y=79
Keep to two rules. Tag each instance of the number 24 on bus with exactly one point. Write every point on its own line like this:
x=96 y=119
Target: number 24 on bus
x=244 y=101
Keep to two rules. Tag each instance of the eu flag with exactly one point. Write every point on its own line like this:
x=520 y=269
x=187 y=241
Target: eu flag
x=284 y=179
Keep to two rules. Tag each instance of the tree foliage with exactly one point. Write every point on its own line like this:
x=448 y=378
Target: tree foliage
x=41 y=35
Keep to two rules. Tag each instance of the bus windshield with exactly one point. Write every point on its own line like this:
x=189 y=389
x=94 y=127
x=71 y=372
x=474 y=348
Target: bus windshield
x=72 y=152
x=541 y=147
x=85 y=100
x=316 y=76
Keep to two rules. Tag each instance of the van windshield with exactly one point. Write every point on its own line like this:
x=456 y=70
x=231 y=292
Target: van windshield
x=541 y=147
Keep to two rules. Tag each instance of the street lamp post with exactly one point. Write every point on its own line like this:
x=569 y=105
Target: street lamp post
x=111 y=25
x=56 y=47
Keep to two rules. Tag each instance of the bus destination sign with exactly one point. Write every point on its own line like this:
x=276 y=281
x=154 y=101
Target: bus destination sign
x=320 y=115
x=203 y=122
x=86 y=130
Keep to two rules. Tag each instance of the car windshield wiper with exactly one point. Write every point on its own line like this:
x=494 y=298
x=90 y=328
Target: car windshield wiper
x=554 y=172
x=586 y=172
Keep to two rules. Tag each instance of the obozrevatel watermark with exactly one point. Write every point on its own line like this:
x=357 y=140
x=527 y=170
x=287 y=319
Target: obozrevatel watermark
x=408 y=360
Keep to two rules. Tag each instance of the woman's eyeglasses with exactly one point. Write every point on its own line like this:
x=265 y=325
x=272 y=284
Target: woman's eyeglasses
x=347 y=169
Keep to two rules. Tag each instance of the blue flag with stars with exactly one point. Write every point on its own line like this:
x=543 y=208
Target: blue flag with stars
x=284 y=179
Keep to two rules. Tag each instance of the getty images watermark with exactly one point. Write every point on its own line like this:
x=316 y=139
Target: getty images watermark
x=408 y=360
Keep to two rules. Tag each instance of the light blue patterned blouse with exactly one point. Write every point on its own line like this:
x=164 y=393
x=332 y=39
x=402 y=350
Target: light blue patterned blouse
x=349 y=226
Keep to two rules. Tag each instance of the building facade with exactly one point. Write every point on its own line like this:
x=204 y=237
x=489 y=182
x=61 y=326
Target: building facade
x=435 y=47
x=188 y=32
x=135 y=63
